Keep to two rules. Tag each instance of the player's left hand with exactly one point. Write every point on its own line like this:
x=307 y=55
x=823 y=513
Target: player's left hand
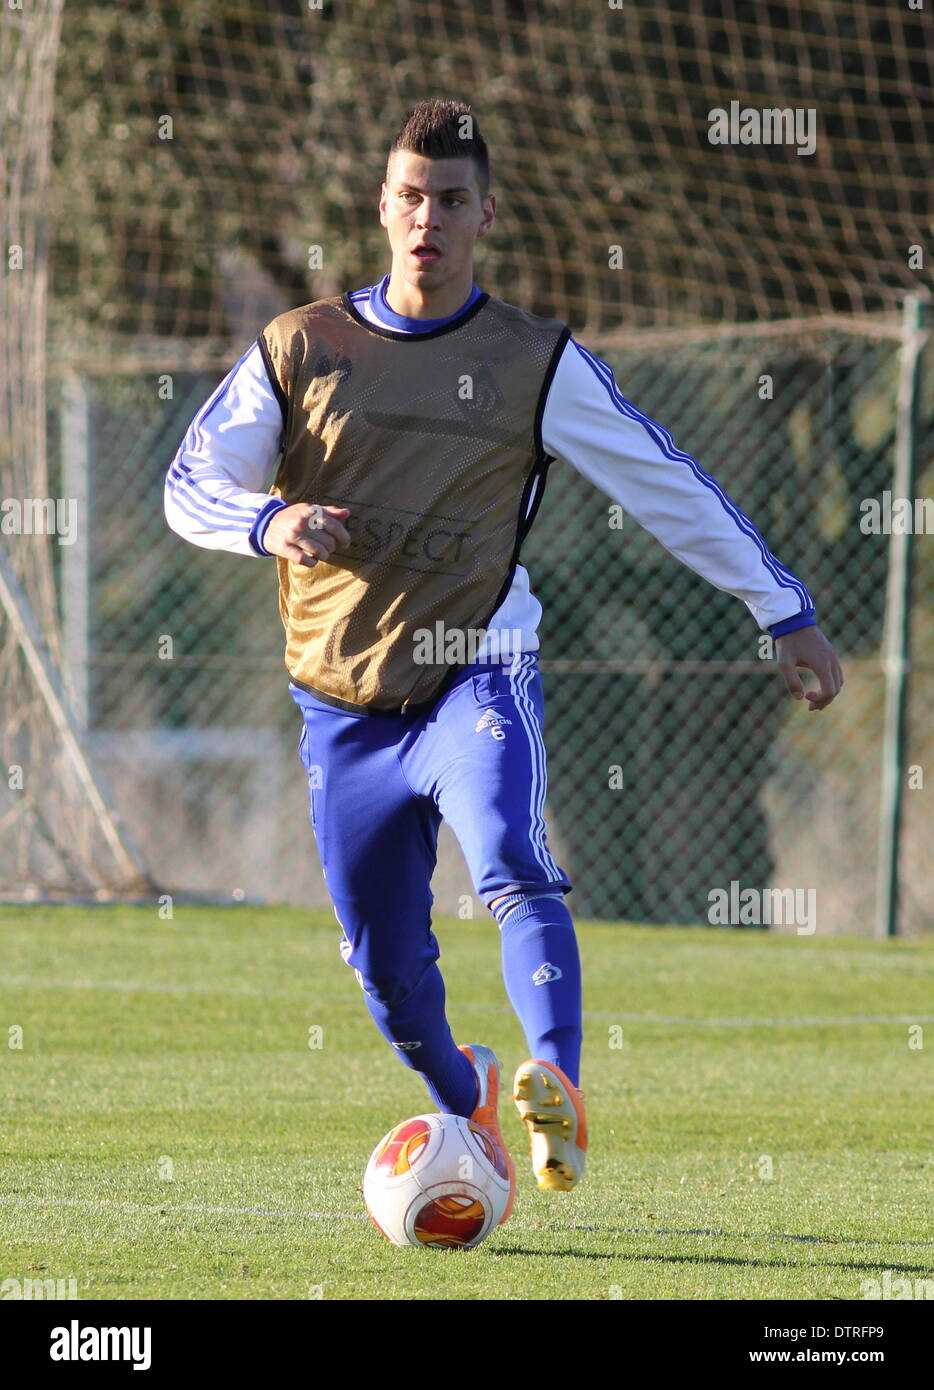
x=809 y=648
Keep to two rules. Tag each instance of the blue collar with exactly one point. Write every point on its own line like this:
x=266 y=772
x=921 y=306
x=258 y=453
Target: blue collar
x=400 y=322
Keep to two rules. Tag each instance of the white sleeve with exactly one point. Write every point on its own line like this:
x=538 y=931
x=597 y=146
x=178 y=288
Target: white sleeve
x=589 y=423
x=216 y=491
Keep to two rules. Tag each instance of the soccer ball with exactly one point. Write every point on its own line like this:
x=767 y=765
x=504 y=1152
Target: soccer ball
x=437 y=1180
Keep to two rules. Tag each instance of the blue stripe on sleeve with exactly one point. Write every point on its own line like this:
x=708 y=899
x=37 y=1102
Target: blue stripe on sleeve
x=192 y=499
x=782 y=575
x=204 y=515
x=217 y=396
x=263 y=517
x=183 y=485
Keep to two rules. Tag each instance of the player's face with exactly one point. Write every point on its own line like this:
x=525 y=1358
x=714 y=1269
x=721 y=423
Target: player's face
x=434 y=214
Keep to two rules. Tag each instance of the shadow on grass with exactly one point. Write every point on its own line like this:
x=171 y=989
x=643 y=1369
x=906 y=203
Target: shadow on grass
x=748 y=1235
x=632 y=1257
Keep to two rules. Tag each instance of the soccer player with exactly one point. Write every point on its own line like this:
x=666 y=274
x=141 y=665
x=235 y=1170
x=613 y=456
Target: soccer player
x=389 y=447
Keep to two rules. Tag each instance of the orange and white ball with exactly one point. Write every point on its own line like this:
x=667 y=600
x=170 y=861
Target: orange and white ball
x=438 y=1181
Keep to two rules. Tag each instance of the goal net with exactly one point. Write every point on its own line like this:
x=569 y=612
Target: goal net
x=706 y=198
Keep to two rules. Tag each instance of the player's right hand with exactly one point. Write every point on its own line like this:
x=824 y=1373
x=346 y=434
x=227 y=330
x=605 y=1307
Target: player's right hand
x=306 y=532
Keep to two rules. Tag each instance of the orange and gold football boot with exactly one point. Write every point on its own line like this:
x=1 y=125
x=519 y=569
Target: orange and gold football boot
x=552 y=1109
x=486 y=1065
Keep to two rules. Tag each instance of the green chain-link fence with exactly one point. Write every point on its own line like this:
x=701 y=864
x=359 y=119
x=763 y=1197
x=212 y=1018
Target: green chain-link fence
x=176 y=175
x=677 y=763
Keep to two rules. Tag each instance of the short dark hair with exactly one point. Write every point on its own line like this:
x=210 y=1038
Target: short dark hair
x=441 y=129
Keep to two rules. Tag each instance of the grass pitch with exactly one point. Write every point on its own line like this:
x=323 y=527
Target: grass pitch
x=759 y=1110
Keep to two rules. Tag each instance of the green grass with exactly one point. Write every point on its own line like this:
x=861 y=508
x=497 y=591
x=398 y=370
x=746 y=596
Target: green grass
x=146 y=1039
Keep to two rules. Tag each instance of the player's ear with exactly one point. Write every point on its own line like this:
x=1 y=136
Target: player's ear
x=384 y=193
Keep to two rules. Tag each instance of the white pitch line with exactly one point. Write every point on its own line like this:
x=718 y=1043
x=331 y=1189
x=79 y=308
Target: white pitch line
x=797 y=1022
x=164 y=1209
x=148 y=987
x=199 y=1209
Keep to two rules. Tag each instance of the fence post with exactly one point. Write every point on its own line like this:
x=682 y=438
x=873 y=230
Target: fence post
x=76 y=557
x=896 y=654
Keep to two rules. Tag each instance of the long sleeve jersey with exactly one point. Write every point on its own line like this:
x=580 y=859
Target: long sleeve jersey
x=216 y=490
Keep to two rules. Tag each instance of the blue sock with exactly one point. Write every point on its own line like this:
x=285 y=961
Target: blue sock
x=541 y=970
x=419 y=1017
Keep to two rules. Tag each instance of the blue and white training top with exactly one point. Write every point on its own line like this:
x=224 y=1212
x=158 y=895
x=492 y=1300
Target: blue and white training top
x=216 y=491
